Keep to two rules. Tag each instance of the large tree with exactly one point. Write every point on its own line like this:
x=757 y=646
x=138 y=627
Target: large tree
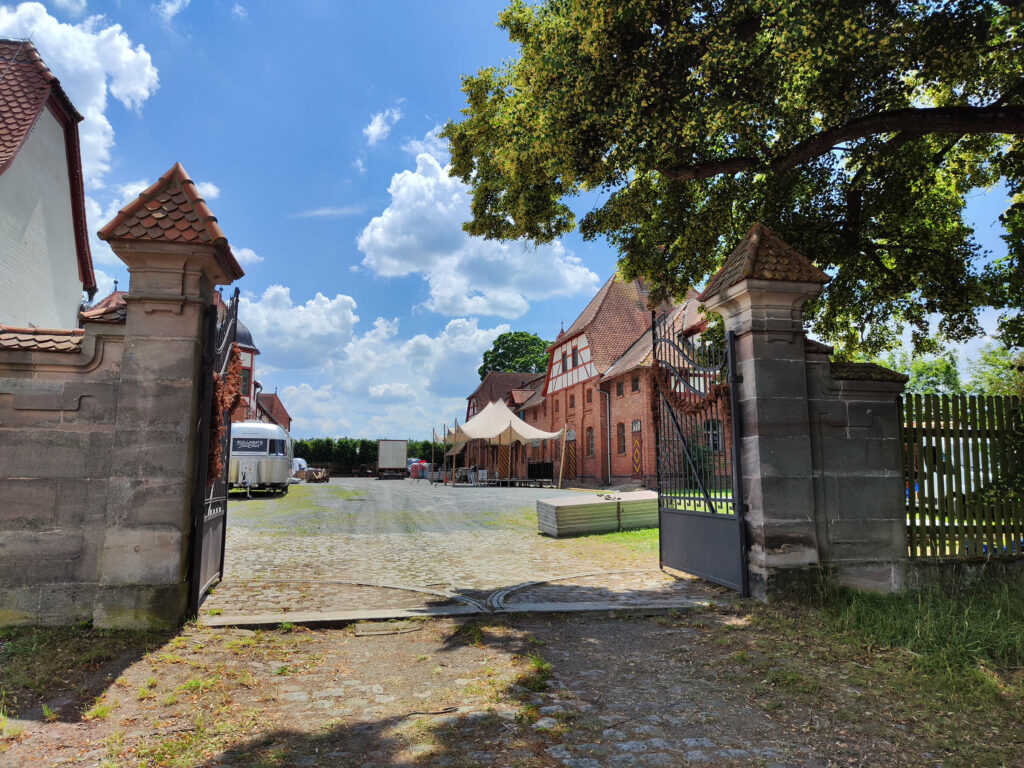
x=855 y=129
x=516 y=351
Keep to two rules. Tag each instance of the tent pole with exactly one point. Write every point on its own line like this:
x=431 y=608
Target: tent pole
x=561 y=457
x=455 y=453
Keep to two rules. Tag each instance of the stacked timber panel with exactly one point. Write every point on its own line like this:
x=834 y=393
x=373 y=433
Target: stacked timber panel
x=590 y=513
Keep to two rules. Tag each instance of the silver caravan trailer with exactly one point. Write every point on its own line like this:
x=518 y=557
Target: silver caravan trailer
x=261 y=456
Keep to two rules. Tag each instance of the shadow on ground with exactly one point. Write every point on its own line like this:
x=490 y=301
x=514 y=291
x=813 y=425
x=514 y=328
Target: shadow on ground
x=65 y=668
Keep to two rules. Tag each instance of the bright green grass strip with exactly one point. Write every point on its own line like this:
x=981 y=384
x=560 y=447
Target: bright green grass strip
x=644 y=540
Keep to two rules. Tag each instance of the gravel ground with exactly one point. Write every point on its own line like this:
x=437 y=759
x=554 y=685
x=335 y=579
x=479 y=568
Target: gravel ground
x=365 y=544
x=734 y=686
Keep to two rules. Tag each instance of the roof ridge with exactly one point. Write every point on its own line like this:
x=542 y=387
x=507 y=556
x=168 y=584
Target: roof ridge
x=113 y=229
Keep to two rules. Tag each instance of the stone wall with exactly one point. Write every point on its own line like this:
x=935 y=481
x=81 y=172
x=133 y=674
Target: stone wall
x=98 y=455
x=821 y=462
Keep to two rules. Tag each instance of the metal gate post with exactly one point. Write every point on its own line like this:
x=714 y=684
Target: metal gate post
x=656 y=418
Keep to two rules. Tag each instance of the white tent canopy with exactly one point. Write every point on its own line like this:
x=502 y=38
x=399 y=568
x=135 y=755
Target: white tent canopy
x=499 y=426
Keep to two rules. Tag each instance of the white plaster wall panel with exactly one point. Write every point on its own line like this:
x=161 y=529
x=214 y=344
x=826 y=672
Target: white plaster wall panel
x=39 y=281
x=561 y=379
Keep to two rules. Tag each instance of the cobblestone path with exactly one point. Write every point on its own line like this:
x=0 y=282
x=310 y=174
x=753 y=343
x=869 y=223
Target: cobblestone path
x=357 y=545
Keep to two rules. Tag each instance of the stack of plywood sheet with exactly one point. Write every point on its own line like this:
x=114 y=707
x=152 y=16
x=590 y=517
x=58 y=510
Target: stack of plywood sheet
x=593 y=513
x=638 y=509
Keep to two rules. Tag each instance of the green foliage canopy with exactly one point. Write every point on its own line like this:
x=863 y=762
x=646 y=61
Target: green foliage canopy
x=516 y=351
x=855 y=129
x=997 y=371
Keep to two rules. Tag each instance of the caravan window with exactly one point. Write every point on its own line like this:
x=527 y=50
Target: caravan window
x=278 y=447
x=249 y=444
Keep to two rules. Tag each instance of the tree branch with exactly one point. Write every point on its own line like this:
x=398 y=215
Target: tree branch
x=919 y=121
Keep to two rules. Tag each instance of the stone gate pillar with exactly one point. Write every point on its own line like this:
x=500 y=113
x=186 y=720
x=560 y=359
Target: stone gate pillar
x=760 y=293
x=176 y=254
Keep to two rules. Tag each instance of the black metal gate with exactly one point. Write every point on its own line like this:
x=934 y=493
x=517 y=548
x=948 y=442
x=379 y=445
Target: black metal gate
x=697 y=434
x=210 y=500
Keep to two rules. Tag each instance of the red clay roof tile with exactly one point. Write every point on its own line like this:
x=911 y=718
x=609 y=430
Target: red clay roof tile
x=172 y=210
x=763 y=255
x=41 y=339
x=112 y=309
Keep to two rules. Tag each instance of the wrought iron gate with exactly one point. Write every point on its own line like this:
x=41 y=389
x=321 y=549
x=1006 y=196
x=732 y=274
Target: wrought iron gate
x=697 y=432
x=210 y=499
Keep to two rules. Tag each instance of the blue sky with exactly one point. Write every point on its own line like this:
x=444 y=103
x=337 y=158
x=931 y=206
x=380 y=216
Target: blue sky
x=309 y=128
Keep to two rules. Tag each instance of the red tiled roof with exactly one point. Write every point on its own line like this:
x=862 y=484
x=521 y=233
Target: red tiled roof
x=171 y=210
x=497 y=385
x=112 y=309
x=272 y=404
x=27 y=87
x=684 y=318
x=613 y=319
x=763 y=255
x=41 y=339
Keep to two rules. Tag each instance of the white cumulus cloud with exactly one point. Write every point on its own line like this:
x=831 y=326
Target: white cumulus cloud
x=386 y=384
x=207 y=190
x=246 y=256
x=74 y=7
x=420 y=232
x=431 y=144
x=298 y=335
x=380 y=125
x=91 y=59
x=168 y=9
x=239 y=12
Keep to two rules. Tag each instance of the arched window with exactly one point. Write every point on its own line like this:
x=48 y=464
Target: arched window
x=572 y=401
x=620 y=436
x=590 y=441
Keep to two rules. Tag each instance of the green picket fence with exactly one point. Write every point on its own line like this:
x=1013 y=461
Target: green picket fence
x=963 y=462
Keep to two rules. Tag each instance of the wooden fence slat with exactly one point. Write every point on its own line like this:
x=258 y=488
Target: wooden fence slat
x=949 y=523
x=1015 y=504
x=984 y=411
x=927 y=464
x=967 y=478
x=904 y=433
x=1003 y=533
x=957 y=462
x=976 y=500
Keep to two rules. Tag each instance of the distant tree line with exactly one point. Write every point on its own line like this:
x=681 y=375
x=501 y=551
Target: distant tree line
x=996 y=371
x=345 y=454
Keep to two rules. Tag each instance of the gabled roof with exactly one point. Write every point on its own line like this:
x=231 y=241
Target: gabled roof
x=613 y=320
x=272 y=404
x=763 y=255
x=685 y=318
x=170 y=210
x=27 y=87
x=41 y=339
x=497 y=385
x=112 y=309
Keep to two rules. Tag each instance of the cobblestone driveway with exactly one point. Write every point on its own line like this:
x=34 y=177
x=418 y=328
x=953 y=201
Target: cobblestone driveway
x=374 y=548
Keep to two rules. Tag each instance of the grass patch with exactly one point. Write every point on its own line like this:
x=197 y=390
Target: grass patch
x=36 y=663
x=954 y=626
x=641 y=540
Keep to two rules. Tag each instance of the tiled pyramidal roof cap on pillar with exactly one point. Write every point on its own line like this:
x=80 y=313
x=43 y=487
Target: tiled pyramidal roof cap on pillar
x=762 y=255
x=172 y=211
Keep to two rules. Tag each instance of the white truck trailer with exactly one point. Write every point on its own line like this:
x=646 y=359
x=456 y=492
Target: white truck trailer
x=391 y=459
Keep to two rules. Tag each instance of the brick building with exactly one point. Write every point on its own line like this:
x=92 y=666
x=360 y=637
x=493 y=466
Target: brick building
x=598 y=387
